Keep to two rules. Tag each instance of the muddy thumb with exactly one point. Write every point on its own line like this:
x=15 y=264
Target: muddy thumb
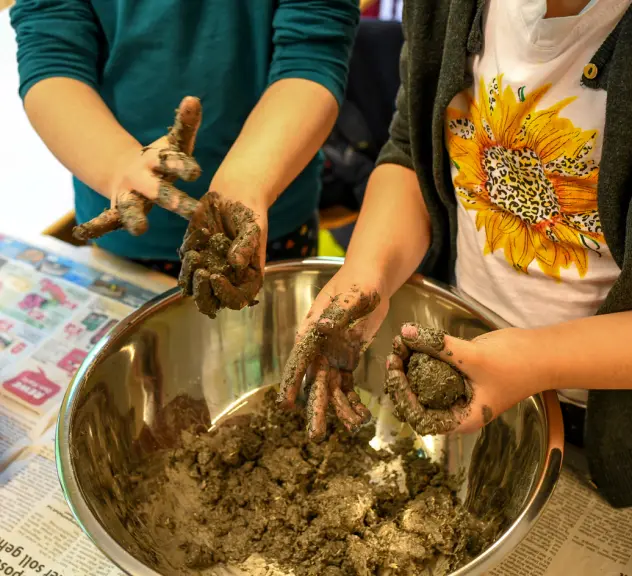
x=436 y=343
x=347 y=309
x=243 y=250
x=423 y=339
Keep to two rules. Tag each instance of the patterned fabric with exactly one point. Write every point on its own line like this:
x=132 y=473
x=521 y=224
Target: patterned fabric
x=301 y=243
x=530 y=177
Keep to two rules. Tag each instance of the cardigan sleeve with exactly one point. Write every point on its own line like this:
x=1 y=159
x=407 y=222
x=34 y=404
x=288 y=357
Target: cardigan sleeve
x=397 y=149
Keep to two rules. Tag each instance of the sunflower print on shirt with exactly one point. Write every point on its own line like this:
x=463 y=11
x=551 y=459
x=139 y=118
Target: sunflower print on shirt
x=530 y=177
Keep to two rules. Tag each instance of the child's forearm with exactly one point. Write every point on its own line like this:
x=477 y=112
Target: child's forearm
x=281 y=136
x=506 y=366
x=393 y=231
x=590 y=353
x=79 y=129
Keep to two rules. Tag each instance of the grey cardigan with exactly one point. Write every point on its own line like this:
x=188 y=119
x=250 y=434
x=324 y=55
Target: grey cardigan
x=440 y=35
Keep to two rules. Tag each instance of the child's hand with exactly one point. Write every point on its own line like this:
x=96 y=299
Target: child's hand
x=497 y=368
x=223 y=254
x=341 y=324
x=146 y=178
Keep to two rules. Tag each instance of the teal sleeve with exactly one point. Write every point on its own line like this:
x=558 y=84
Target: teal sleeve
x=55 y=38
x=313 y=40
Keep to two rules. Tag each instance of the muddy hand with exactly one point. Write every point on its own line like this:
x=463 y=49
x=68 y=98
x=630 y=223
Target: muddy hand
x=146 y=178
x=221 y=255
x=428 y=390
x=325 y=354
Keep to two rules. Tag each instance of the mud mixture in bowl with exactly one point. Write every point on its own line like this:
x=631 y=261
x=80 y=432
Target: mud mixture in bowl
x=255 y=493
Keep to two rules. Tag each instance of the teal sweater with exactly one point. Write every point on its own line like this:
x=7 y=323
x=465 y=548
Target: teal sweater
x=143 y=56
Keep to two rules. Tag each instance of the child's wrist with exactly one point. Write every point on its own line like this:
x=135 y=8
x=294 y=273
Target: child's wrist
x=367 y=276
x=523 y=367
x=248 y=195
x=126 y=154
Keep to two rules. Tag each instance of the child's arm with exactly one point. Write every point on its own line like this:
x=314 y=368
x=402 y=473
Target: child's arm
x=58 y=51
x=281 y=136
x=312 y=41
x=393 y=231
x=60 y=109
x=390 y=239
x=509 y=365
x=590 y=353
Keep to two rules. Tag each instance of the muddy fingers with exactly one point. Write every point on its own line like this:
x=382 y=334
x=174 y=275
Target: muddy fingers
x=325 y=389
x=191 y=262
x=350 y=419
x=239 y=223
x=250 y=282
x=176 y=201
x=176 y=165
x=302 y=355
x=205 y=301
x=196 y=241
x=130 y=213
x=245 y=246
x=207 y=215
x=419 y=338
x=226 y=237
x=106 y=222
x=317 y=402
x=132 y=209
x=229 y=296
x=400 y=349
x=150 y=175
x=422 y=420
x=340 y=334
x=347 y=386
x=185 y=127
x=428 y=393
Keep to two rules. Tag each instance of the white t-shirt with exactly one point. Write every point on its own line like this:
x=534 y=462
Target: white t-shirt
x=391 y=9
x=525 y=145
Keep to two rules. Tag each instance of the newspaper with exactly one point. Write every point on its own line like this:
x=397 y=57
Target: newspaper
x=578 y=534
x=53 y=311
x=38 y=534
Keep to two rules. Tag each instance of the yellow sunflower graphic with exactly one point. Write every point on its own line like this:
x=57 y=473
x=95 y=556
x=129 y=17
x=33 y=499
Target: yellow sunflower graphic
x=529 y=176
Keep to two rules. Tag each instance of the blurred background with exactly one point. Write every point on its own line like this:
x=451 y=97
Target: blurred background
x=27 y=163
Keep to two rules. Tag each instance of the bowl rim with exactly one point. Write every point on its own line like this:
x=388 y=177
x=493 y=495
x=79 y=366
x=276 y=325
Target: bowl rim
x=91 y=526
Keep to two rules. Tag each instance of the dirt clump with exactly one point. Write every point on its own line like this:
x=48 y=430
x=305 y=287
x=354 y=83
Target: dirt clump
x=435 y=383
x=257 y=494
x=429 y=394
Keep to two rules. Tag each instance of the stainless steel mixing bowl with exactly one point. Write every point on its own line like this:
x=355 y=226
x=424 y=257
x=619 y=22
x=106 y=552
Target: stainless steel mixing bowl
x=166 y=366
